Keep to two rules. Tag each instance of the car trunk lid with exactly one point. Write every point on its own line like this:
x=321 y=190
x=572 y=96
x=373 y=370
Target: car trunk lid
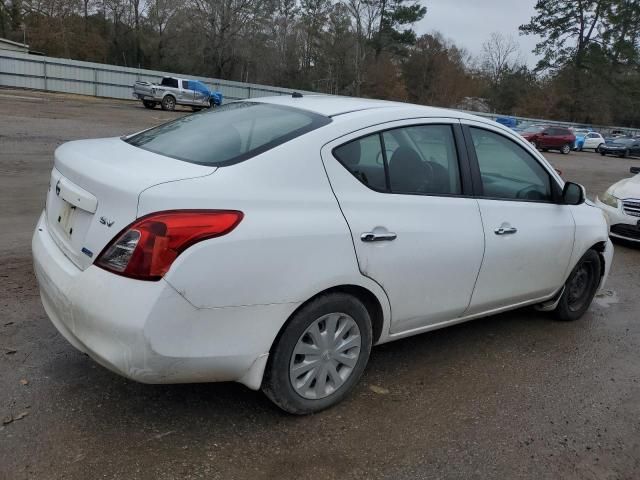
x=94 y=191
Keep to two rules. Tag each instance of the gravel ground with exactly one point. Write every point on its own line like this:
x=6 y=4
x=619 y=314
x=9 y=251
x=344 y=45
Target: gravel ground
x=512 y=396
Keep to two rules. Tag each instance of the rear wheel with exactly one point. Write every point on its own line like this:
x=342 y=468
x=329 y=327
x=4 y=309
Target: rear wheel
x=599 y=148
x=149 y=104
x=566 y=149
x=580 y=288
x=320 y=355
x=168 y=103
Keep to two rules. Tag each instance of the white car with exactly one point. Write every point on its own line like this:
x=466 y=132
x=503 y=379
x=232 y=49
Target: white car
x=621 y=204
x=272 y=242
x=593 y=141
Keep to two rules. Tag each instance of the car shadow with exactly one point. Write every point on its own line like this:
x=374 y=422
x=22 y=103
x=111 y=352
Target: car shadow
x=392 y=366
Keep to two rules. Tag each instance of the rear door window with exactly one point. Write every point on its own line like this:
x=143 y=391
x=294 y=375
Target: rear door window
x=423 y=159
x=229 y=134
x=409 y=160
x=169 y=82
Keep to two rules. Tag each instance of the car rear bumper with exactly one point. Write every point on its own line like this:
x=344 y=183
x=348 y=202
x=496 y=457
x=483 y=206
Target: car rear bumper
x=621 y=225
x=147 y=331
x=143 y=96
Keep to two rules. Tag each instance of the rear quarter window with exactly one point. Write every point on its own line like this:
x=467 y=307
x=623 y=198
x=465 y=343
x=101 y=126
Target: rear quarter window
x=229 y=134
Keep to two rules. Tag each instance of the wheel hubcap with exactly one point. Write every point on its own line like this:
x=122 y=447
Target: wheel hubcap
x=579 y=287
x=325 y=355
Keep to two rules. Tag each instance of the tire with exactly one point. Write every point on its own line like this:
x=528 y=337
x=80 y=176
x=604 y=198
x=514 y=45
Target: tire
x=565 y=149
x=602 y=153
x=580 y=288
x=624 y=154
x=534 y=144
x=302 y=392
x=599 y=147
x=211 y=104
x=168 y=103
x=149 y=104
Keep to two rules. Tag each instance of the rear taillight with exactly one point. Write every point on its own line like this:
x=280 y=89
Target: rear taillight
x=146 y=249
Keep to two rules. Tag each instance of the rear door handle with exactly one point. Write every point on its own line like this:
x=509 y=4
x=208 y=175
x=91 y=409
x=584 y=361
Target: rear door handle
x=378 y=237
x=505 y=231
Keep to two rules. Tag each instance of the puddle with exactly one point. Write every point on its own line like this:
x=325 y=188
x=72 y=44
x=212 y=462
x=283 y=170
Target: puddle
x=606 y=298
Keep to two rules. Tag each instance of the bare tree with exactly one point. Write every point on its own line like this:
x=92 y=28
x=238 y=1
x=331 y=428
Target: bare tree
x=500 y=55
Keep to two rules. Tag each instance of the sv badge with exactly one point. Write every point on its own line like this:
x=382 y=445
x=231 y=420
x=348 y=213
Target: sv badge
x=106 y=221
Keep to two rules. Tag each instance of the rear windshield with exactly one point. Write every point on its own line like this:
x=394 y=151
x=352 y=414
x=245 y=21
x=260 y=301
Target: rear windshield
x=228 y=134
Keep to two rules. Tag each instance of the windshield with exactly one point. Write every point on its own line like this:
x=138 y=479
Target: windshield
x=533 y=129
x=623 y=141
x=228 y=134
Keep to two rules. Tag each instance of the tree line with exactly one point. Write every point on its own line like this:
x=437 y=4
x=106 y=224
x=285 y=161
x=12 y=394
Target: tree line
x=588 y=71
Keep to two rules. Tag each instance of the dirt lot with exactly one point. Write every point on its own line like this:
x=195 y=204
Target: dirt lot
x=513 y=396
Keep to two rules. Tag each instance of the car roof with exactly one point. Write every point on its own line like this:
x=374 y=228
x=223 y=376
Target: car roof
x=333 y=105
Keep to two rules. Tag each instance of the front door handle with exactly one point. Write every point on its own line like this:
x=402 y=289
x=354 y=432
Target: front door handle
x=378 y=237
x=505 y=231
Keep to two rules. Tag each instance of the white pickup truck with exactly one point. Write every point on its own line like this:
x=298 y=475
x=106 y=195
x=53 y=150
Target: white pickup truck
x=174 y=91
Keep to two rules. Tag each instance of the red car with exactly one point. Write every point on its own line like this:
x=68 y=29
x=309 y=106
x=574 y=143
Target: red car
x=550 y=138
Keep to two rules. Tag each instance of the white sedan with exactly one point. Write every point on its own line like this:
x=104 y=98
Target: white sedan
x=621 y=204
x=273 y=242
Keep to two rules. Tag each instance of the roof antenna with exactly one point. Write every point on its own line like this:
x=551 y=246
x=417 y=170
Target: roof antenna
x=296 y=95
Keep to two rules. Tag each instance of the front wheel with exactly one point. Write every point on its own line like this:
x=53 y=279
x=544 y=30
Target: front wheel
x=580 y=288
x=320 y=355
x=566 y=149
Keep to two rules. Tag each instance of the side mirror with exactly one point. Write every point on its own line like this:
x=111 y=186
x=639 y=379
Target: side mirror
x=634 y=170
x=573 y=194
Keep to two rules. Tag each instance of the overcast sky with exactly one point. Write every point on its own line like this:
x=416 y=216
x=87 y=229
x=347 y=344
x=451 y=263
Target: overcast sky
x=470 y=22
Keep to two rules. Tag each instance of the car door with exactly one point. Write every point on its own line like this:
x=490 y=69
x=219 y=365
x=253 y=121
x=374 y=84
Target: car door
x=405 y=193
x=186 y=93
x=592 y=140
x=546 y=138
x=528 y=235
x=201 y=94
x=554 y=138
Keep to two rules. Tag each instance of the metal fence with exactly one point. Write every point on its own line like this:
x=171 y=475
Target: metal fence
x=99 y=80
